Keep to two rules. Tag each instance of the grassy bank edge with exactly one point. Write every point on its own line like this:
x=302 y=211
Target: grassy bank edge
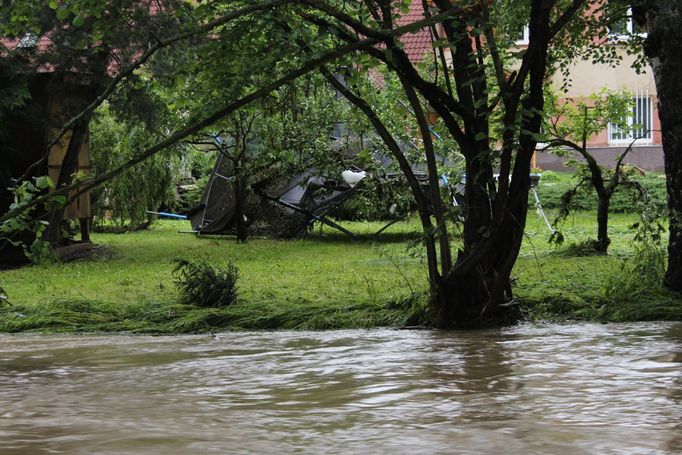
x=159 y=317
x=355 y=287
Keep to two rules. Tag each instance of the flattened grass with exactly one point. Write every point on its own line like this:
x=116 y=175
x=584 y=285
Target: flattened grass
x=325 y=281
x=320 y=282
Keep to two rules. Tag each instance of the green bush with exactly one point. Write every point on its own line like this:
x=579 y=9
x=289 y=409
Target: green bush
x=377 y=201
x=191 y=198
x=552 y=188
x=635 y=291
x=637 y=276
x=550 y=176
x=125 y=199
x=206 y=285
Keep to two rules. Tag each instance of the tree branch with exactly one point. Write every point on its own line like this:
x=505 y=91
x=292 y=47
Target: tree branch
x=565 y=17
x=139 y=62
x=179 y=135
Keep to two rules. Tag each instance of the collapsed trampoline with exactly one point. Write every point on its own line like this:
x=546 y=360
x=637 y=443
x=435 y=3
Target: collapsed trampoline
x=288 y=207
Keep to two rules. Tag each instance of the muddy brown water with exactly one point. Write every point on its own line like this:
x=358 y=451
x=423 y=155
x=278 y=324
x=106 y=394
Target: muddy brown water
x=560 y=389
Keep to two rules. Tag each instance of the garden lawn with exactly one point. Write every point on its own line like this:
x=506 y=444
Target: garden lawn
x=325 y=281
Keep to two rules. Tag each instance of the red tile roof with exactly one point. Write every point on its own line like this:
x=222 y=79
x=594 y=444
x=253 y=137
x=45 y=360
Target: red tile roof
x=44 y=43
x=418 y=44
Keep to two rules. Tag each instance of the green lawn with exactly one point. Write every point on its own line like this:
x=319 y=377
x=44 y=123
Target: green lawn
x=323 y=281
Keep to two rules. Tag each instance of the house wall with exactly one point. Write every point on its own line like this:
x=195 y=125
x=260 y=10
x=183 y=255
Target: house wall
x=649 y=158
x=66 y=100
x=54 y=100
x=588 y=78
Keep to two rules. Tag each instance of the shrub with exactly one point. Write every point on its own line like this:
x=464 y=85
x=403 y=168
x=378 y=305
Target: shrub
x=206 y=285
x=376 y=200
x=637 y=276
x=125 y=199
x=635 y=291
x=554 y=185
x=549 y=176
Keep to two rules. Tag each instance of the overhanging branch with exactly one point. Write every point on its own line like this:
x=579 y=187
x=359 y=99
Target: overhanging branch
x=127 y=71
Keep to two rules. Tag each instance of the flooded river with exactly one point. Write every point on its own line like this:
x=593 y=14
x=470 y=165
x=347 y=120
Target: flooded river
x=574 y=389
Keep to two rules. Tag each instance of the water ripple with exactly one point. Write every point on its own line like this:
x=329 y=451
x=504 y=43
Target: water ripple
x=531 y=389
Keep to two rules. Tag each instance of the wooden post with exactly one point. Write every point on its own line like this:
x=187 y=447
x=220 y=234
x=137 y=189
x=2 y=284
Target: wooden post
x=85 y=229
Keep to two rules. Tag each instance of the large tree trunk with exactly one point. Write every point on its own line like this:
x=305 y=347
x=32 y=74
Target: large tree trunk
x=481 y=295
x=478 y=291
x=662 y=47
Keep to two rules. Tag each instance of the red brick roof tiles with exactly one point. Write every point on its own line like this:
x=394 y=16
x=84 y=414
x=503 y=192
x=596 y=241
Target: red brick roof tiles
x=418 y=44
x=12 y=43
x=44 y=43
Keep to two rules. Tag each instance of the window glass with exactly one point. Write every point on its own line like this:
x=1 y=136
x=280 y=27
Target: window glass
x=625 y=25
x=620 y=27
x=520 y=35
x=639 y=124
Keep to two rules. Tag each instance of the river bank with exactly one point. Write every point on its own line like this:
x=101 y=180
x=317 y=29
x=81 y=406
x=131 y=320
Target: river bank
x=325 y=281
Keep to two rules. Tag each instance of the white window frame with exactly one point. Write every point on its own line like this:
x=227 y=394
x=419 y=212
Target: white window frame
x=629 y=28
x=648 y=116
x=525 y=37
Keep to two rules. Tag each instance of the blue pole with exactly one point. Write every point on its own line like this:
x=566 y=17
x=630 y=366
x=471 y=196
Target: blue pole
x=168 y=215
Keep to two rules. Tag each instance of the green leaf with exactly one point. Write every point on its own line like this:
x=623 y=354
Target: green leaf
x=405 y=6
x=44 y=182
x=63 y=13
x=78 y=21
x=59 y=200
x=53 y=4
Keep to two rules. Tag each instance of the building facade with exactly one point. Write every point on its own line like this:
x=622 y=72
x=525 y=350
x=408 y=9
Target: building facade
x=587 y=78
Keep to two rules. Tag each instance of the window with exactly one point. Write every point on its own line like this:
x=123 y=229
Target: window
x=640 y=123
x=522 y=36
x=625 y=27
x=29 y=40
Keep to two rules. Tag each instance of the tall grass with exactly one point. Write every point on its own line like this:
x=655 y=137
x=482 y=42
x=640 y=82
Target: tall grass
x=635 y=291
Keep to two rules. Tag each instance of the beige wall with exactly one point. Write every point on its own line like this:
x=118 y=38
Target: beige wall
x=80 y=207
x=589 y=78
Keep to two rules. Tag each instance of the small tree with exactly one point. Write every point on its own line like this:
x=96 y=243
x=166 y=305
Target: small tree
x=126 y=198
x=568 y=127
